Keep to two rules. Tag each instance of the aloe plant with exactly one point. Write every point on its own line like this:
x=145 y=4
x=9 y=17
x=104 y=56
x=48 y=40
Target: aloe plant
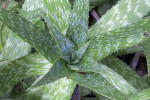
x=67 y=53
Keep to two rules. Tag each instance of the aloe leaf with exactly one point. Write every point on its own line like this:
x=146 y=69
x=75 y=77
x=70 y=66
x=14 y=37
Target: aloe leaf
x=126 y=72
x=99 y=84
x=15 y=48
x=22 y=68
x=122 y=14
x=58 y=70
x=77 y=55
x=10 y=5
x=77 y=31
x=36 y=37
x=30 y=5
x=105 y=44
x=89 y=65
x=133 y=49
x=144 y=95
x=61 y=89
x=58 y=12
x=65 y=45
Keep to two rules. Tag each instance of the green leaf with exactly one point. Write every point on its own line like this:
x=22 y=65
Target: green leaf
x=126 y=72
x=77 y=55
x=144 y=95
x=61 y=89
x=22 y=68
x=66 y=46
x=78 y=27
x=58 y=12
x=89 y=65
x=133 y=49
x=58 y=70
x=105 y=44
x=15 y=48
x=97 y=83
x=122 y=14
x=36 y=37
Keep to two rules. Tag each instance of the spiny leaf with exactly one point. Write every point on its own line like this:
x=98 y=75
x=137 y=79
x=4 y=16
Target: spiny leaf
x=89 y=65
x=133 y=49
x=61 y=89
x=99 y=84
x=58 y=12
x=77 y=31
x=22 y=68
x=144 y=95
x=146 y=49
x=15 y=48
x=122 y=14
x=126 y=72
x=58 y=70
x=36 y=37
x=66 y=47
x=105 y=44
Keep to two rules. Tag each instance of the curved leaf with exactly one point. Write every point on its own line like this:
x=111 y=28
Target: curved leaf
x=36 y=37
x=58 y=12
x=99 y=84
x=122 y=14
x=22 y=68
x=58 y=70
x=105 y=44
x=126 y=72
x=89 y=65
x=78 y=27
x=61 y=89
x=144 y=95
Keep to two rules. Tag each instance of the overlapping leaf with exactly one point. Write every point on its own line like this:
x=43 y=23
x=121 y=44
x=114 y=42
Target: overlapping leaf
x=66 y=47
x=122 y=14
x=144 y=95
x=22 y=68
x=61 y=89
x=126 y=72
x=36 y=37
x=105 y=44
x=97 y=83
x=59 y=70
x=15 y=48
x=89 y=65
x=78 y=27
x=58 y=12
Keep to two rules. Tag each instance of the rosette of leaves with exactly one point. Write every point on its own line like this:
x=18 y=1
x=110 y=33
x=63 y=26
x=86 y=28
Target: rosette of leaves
x=68 y=53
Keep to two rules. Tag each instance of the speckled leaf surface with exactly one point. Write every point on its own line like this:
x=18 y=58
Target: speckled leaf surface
x=122 y=14
x=78 y=27
x=130 y=50
x=128 y=36
x=58 y=70
x=15 y=47
x=22 y=68
x=126 y=72
x=146 y=49
x=65 y=45
x=58 y=12
x=144 y=95
x=32 y=6
x=36 y=37
x=61 y=89
x=89 y=65
x=99 y=84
